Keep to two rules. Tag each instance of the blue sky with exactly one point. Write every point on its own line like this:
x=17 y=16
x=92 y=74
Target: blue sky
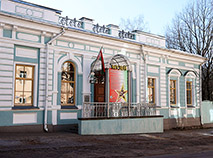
x=157 y=13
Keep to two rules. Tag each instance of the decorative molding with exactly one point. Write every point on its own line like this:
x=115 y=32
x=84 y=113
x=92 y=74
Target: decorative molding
x=123 y=34
x=101 y=29
x=68 y=115
x=2 y=25
x=15 y=28
x=27 y=37
x=27 y=53
x=29 y=12
x=67 y=22
x=153 y=69
x=24 y=118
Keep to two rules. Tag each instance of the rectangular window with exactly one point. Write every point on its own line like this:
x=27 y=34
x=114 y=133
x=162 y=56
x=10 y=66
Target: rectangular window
x=189 y=92
x=173 y=92
x=151 y=90
x=24 y=76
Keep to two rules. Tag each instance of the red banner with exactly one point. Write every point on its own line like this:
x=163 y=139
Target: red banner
x=118 y=85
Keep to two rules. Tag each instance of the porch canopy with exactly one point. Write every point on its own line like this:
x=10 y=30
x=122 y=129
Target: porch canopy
x=118 y=60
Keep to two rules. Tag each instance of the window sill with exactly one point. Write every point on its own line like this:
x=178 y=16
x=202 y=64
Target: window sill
x=174 y=106
x=69 y=107
x=24 y=108
x=191 y=106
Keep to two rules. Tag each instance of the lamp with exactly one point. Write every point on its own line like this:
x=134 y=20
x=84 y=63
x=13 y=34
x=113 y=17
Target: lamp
x=92 y=78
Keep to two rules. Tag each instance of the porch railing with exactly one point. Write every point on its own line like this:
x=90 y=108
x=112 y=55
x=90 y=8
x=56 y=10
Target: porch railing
x=102 y=109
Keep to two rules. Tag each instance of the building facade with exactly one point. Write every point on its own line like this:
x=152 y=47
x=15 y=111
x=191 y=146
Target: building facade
x=45 y=66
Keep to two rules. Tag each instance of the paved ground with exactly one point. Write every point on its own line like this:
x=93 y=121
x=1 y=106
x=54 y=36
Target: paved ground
x=170 y=144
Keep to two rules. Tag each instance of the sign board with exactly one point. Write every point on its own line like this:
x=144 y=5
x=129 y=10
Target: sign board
x=118 y=85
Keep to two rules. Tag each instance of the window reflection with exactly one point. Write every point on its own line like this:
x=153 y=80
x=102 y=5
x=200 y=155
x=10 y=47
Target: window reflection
x=151 y=90
x=68 y=84
x=173 y=92
x=24 y=85
x=189 y=92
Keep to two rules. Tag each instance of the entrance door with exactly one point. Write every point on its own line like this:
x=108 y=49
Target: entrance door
x=99 y=92
x=99 y=97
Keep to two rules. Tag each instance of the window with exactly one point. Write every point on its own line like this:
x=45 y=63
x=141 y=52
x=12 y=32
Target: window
x=189 y=92
x=173 y=92
x=24 y=76
x=68 y=84
x=151 y=90
x=174 y=87
x=190 y=88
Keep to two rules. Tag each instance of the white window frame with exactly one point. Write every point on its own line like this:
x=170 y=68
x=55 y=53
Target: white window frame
x=174 y=73
x=69 y=57
x=190 y=75
x=35 y=82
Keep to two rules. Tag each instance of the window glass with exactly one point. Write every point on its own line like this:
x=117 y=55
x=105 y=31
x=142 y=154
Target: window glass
x=28 y=86
x=19 y=71
x=28 y=97
x=189 y=92
x=151 y=90
x=68 y=84
x=18 y=97
x=67 y=76
x=19 y=85
x=172 y=91
x=29 y=71
x=24 y=85
x=63 y=98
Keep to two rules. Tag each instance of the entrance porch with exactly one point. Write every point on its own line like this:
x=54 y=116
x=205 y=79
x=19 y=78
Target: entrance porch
x=119 y=118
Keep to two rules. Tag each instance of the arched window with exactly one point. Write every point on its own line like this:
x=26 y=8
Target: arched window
x=173 y=87
x=68 y=84
x=190 y=78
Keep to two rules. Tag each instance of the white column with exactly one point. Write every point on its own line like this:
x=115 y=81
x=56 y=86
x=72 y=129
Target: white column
x=1 y=29
x=43 y=36
x=14 y=32
x=145 y=78
x=137 y=83
x=86 y=70
x=55 y=84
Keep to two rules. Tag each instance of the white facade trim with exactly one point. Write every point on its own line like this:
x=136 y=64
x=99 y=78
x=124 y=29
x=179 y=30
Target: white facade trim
x=69 y=56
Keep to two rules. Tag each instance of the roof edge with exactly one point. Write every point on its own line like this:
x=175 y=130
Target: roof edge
x=36 y=5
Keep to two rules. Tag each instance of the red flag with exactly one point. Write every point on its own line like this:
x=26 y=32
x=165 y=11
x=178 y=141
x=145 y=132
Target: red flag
x=100 y=57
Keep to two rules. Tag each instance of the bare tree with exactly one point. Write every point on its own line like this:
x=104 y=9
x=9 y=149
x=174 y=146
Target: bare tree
x=137 y=23
x=192 y=31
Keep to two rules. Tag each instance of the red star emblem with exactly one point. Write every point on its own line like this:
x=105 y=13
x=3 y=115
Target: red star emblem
x=121 y=94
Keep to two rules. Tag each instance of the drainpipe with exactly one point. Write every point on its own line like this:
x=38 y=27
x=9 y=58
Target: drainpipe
x=47 y=64
x=144 y=58
x=201 y=120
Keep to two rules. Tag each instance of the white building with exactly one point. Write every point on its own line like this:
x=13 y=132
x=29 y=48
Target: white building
x=45 y=61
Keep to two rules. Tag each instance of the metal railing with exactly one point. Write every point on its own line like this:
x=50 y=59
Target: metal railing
x=103 y=109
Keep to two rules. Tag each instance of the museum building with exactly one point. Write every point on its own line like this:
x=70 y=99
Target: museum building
x=55 y=70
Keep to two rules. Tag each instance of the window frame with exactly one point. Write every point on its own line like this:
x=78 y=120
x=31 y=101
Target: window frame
x=191 y=76
x=174 y=73
x=154 y=91
x=191 y=92
x=24 y=79
x=74 y=82
x=175 y=90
